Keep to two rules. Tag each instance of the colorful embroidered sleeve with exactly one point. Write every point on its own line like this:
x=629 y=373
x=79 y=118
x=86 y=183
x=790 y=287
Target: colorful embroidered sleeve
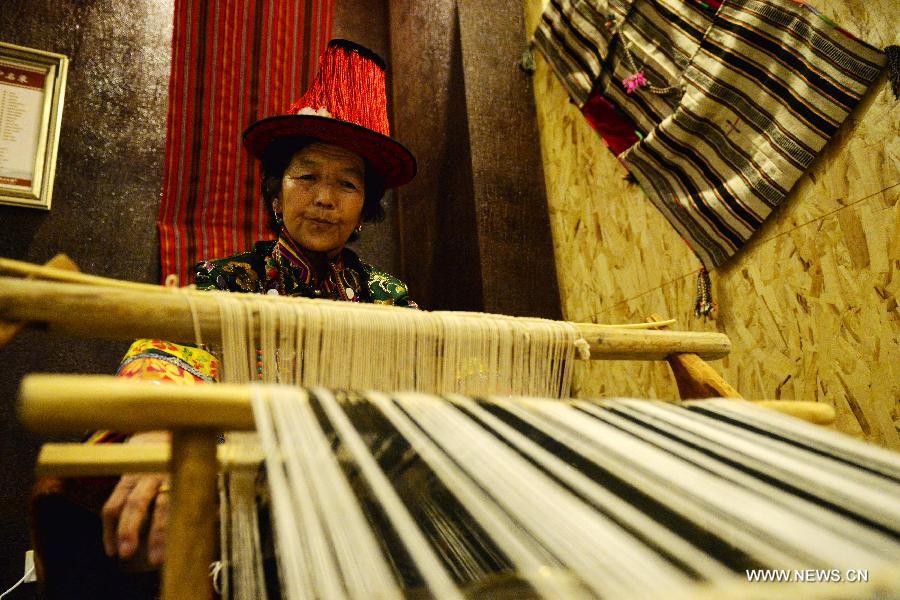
x=158 y=360
x=235 y=274
x=161 y=362
x=384 y=288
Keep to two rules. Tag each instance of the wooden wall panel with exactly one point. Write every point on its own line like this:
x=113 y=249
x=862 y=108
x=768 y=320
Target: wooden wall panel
x=439 y=251
x=473 y=224
x=105 y=200
x=514 y=239
x=810 y=304
x=817 y=307
x=366 y=22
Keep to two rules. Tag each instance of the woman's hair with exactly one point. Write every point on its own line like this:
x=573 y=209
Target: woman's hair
x=275 y=162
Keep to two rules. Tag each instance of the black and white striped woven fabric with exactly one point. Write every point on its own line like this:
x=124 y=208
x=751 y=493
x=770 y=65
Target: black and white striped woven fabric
x=381 y=495
x=738 y=101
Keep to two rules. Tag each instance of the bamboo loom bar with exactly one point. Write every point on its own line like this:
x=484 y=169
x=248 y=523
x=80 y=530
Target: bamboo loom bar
x=102 y=460
x=71 y=403
x=54 y=404
x=120 y=313
x=84 y=460
x=818 y=413
x=67 y=403
x=58 y=264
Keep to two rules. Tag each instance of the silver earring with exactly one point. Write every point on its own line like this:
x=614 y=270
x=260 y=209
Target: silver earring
x=359 y=229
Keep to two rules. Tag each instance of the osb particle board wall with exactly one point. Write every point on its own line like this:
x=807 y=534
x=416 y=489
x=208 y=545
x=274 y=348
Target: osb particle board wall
x=810 y=305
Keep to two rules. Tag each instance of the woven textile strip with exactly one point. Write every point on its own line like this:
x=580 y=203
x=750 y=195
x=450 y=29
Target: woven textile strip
x=755 y=90
x=233 y=62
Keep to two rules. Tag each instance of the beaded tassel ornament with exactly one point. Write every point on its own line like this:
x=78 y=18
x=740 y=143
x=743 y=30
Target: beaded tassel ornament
x=893 y=61
x=704 y=305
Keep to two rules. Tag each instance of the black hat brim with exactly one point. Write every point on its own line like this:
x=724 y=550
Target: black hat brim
x=389 y=158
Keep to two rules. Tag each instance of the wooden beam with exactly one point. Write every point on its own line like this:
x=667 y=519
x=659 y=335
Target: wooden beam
x=101 y=460
x=94 y=311
x=515 y=246
x=191 y=534
x=696 y=379
x=67 y=403
x=611 y=343
x=59 y=263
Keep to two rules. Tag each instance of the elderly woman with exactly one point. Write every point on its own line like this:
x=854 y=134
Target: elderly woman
x=320 y=194
x=325 y=168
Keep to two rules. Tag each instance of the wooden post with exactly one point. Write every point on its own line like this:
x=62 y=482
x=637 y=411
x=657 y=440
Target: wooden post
x=190 y=538
x=694 y=377
x=194 y=414
x=9 y=330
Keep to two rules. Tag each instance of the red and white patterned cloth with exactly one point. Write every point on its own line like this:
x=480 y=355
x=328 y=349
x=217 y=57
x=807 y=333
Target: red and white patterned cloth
x=233 y=63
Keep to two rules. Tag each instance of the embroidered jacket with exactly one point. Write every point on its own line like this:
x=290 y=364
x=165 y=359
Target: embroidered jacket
x=280 y=267
x=272 y=267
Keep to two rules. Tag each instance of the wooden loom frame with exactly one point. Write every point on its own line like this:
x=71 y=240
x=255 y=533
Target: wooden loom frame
x=194 y=414
x=55 y=404
x=89 y=306
x=95 y=307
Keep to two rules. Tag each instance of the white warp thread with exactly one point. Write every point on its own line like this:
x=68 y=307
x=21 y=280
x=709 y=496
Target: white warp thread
x=342 y=345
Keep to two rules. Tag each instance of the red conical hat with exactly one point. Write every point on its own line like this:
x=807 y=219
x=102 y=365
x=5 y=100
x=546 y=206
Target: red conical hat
x=346 y=106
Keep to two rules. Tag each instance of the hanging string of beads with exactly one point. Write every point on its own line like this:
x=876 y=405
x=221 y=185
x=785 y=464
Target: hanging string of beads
x=638 y=79
x=893 y=64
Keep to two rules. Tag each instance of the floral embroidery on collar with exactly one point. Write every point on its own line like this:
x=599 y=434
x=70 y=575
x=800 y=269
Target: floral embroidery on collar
x=289 y=272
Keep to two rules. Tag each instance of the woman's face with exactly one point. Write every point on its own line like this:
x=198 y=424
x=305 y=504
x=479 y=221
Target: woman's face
x=322 y=194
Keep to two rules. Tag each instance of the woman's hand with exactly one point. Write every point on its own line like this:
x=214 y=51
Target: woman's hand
x=126 y=510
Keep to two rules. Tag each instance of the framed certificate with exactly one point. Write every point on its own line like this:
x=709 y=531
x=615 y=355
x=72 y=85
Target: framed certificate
x=32 y=87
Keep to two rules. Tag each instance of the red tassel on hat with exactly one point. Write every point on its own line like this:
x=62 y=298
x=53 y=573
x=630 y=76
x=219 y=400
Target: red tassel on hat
x=350 y=85
x=346 y=106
